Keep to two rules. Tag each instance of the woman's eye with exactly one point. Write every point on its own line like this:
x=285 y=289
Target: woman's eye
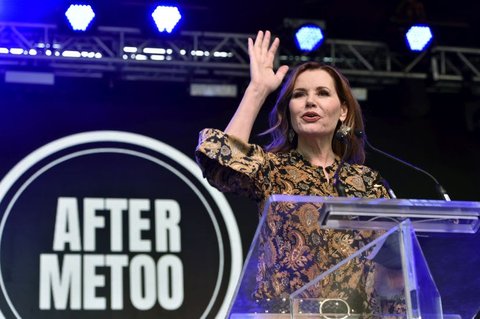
x=323 y=93
x=297 y=94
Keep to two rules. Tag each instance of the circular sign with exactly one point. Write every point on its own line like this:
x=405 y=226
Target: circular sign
x=116 y=223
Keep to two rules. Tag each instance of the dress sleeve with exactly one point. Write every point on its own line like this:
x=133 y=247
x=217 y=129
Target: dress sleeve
x=229 y=164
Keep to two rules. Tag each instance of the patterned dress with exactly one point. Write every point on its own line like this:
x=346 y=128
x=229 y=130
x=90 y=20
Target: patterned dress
x=299 y=250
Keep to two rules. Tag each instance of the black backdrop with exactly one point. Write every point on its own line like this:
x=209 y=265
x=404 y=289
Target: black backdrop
x=427 y=129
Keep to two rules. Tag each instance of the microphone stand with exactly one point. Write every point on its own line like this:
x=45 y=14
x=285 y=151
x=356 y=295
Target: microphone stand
x=438 y=187
x=389 y=189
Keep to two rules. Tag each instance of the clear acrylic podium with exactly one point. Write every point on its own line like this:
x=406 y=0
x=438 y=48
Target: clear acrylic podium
x=397 y=282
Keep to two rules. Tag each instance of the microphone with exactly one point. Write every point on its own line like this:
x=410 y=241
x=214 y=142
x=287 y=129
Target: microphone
x=341 y=135
x=440 y=190
x=389 y=189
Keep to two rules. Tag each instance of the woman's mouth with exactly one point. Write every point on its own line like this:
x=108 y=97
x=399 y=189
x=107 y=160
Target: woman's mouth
x=311 y=117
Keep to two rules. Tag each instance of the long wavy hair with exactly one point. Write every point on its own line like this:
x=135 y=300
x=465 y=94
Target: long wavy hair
x=280 y=122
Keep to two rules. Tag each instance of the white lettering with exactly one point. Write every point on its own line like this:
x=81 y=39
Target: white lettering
x=116 y=208
x=80 y=282
x=63 y=286
x=167 y=228
x=170 y=282
x=116 y=264
x=67 y=225
x=149 y=283
x=142 y=274
x=91 y=281
x=91 y=221
x=137 y=224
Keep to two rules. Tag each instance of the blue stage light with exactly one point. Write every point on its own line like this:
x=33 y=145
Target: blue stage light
x=419 y=37
x=80 y=16
x=166 y=18
x=309 y=37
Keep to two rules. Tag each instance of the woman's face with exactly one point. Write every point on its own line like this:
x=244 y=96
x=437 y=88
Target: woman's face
x=315 y=107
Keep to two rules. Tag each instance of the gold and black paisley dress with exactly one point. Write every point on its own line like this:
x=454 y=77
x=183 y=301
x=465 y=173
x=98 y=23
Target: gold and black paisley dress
x=233 y=166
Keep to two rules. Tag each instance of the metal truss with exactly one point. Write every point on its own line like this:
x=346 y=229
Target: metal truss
x=123 y=53
x=128 y=54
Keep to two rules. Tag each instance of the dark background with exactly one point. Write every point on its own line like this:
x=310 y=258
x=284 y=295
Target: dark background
x=408 y=119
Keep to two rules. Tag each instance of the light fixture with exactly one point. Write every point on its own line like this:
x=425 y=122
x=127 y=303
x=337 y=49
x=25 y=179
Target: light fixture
x=80 y=16
x=309 y=37
x=166 y=18
x=419 y=37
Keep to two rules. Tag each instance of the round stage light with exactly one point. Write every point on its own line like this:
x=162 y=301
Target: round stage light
x=166 y=18
x=308 y=37
x=80 y=16
x=419 y=37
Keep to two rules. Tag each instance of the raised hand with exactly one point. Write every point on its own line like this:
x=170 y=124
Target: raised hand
x=264 y=80
x=262 y=54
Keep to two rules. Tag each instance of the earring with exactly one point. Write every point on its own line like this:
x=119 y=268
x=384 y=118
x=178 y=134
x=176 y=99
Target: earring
x=342 y=131
x=291 y=135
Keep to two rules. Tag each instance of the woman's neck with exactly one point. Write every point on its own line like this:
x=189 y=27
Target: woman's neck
x=319 y=153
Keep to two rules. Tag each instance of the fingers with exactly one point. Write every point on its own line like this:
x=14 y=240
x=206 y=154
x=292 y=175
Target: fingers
x=250 y=47
x=262 y=55
x=281 y=72
x=273 y=49
x=262 y=43
x=261 y=47
x=258 y=40
x=266 y=42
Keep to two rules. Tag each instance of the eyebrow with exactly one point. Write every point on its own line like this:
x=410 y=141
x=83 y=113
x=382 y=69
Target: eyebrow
x=317 y=88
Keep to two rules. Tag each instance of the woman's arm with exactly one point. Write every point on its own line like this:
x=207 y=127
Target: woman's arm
x=263 y=81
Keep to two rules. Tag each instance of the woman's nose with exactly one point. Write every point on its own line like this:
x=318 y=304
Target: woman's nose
x=310 y=100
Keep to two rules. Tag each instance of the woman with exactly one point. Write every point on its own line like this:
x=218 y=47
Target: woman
x=314 y=104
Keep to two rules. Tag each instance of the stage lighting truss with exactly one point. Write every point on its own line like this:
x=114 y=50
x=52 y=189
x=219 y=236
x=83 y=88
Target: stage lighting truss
x=125 y=54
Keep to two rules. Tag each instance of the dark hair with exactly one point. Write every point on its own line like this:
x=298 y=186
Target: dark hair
x=280 y=115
